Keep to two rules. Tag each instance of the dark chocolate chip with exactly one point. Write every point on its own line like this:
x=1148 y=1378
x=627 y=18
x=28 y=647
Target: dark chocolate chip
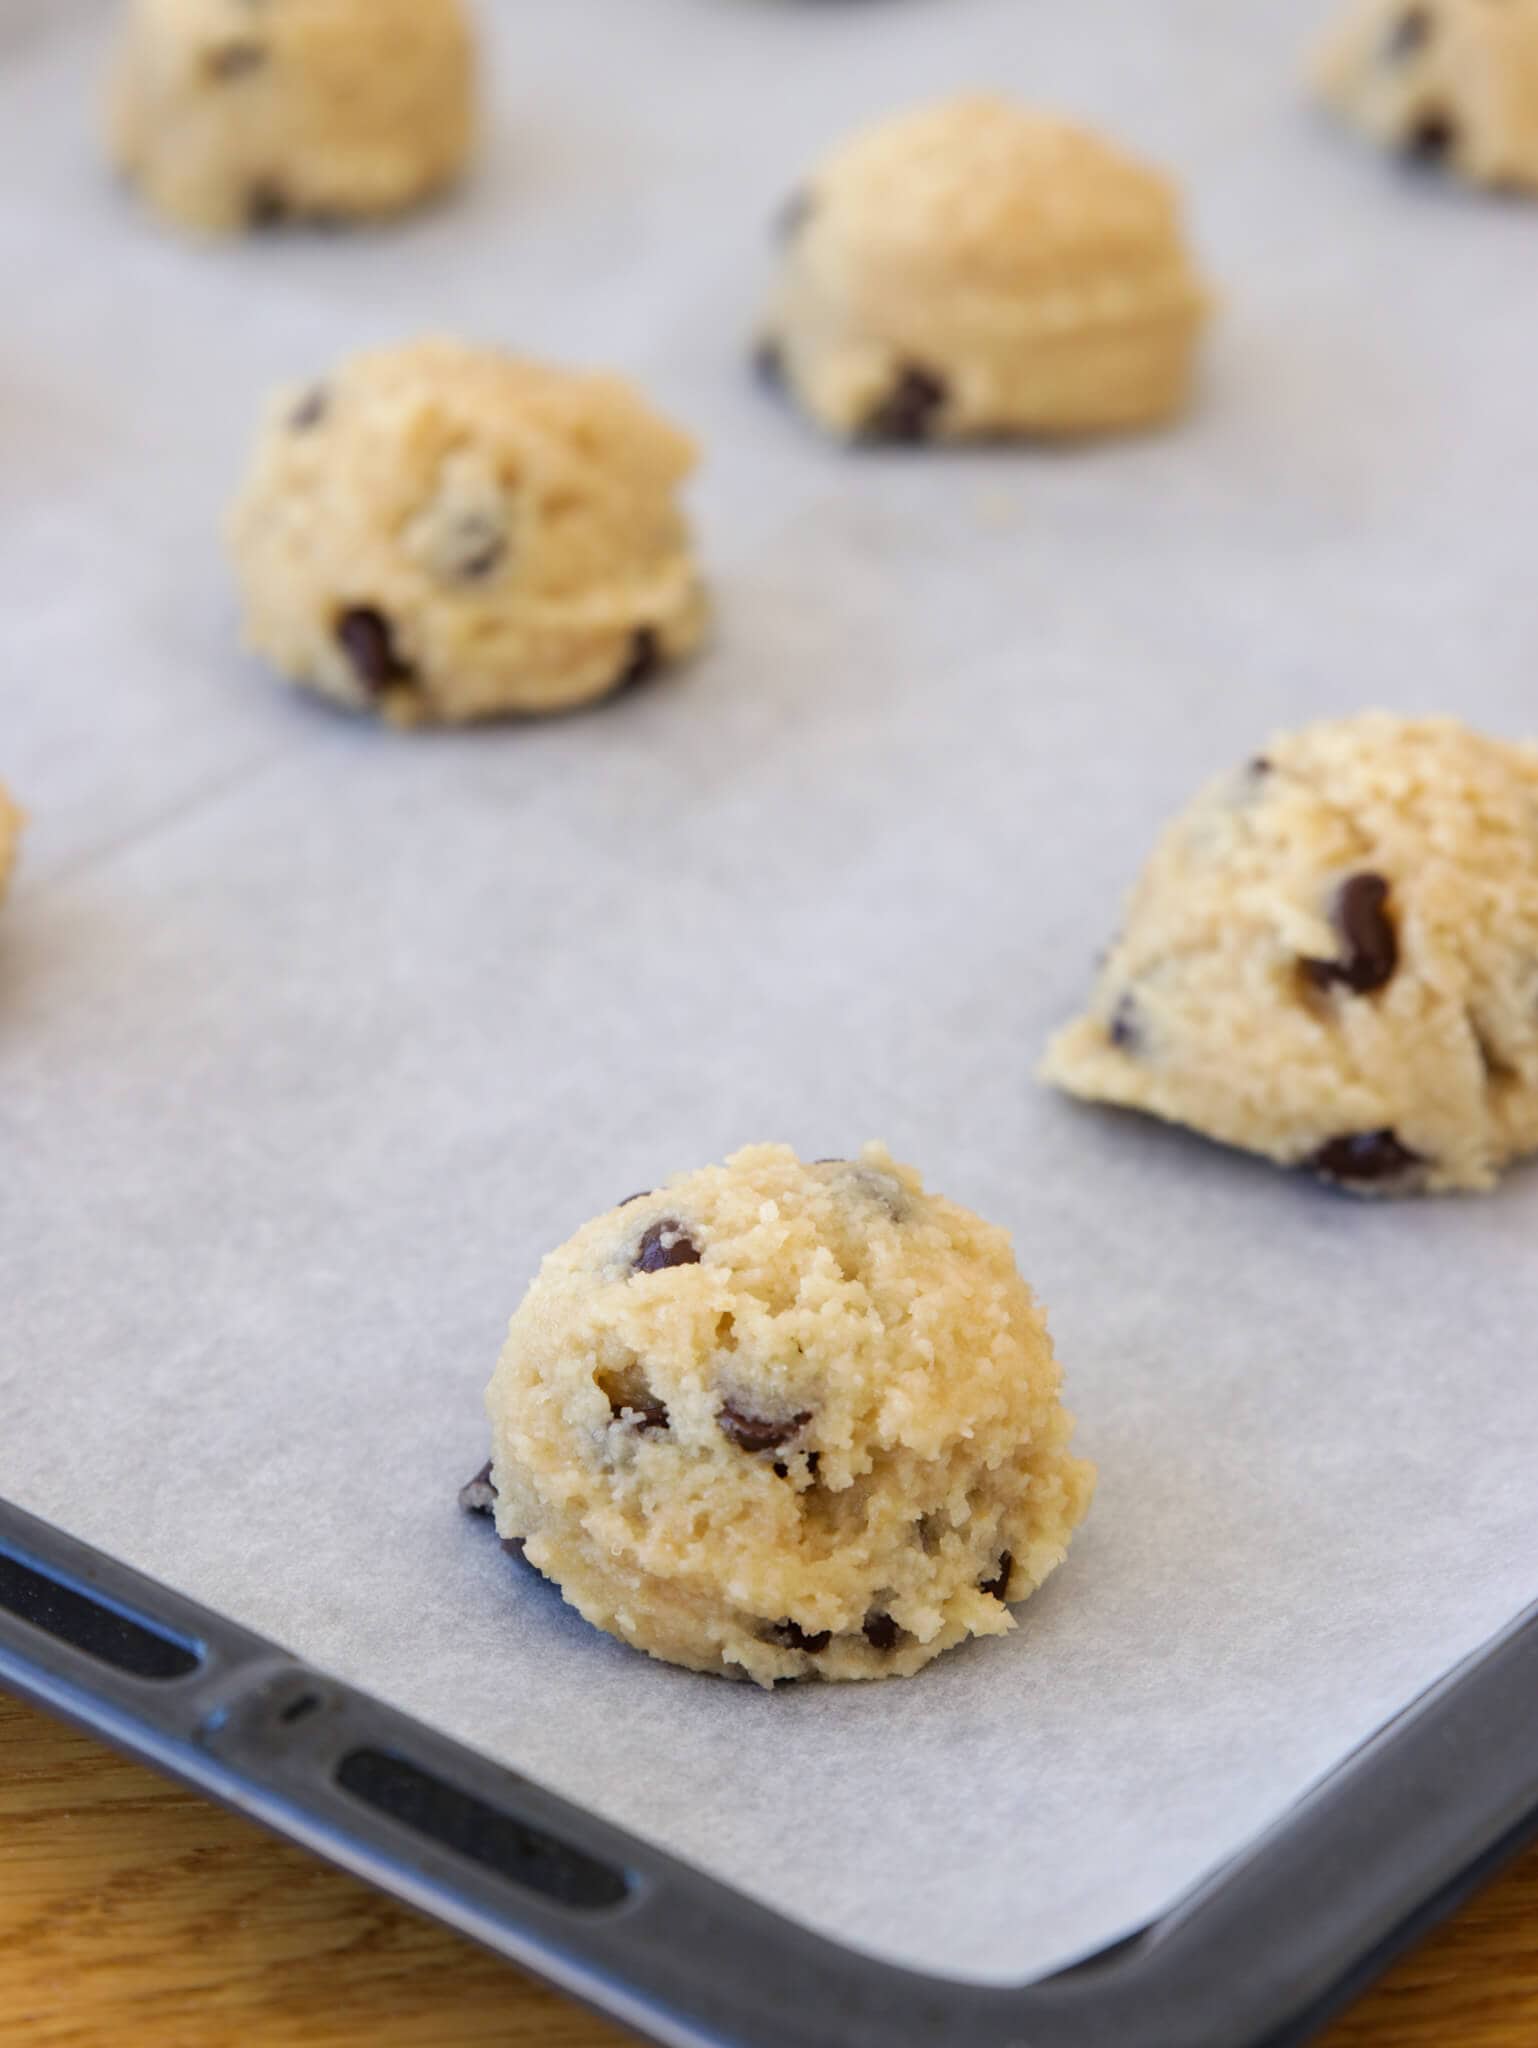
x=1411 y=32
x=641 y=1197
x=1258 y=767
x=769 y=363
x=793 y=1637
x=750 y=1432
x=513 y=1545
x=997 y=1588
x=794 y=214
x=649 y=1413
x=908 y=409
x=266 y=205
x=1125 y=1030
x=478 y=1496
x=366 y=638
x=1432 y=138
x=310 y=410
x=631 y=1398
x=1369 y=941
x=643 y=661
x=881 y=1632
x=1363 y=1159
x=234 y=60
x=665 y=1244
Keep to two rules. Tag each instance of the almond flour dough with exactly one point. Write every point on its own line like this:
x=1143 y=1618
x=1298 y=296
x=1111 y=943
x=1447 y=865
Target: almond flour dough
x=1332 y=959
x=440 y=533
x=230 y=114
x=1453 y=82
x=973 y=269
x=10 y=839
x=785 y=1421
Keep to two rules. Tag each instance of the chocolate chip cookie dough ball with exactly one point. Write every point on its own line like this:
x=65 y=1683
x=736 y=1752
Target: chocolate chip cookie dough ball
x=10 y=836
x=976 y=270
x=785 y=1421
x=1332 y=959
x=1453 y=82
x=230 y=114
x=439 y=533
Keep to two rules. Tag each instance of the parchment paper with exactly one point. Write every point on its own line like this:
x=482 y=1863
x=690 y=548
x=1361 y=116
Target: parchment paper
x=313 y=1038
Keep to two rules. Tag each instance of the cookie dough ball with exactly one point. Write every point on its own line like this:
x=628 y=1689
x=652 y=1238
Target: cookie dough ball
x=441 y=533
x=785 y=1421
x=10 y=837
x=976 y=270
x=1446 y=81
x=1332 y=959
x=230 y=114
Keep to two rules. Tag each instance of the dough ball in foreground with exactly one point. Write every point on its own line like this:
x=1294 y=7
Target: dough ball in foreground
x=1445 y=82
x=231 y=114
x=974 y=270
x=1332 y=959
x=785 y=1421
x=440 y=533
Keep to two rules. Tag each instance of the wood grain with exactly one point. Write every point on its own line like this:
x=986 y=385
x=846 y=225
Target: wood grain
x=132 y=1913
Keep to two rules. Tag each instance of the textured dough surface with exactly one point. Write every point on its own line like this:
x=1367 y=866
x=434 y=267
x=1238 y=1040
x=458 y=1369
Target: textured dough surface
x=974 y=269
x=1332 y=959
x=786 y=1421
x=10 y=838
x=443 y=533
x=1447 y=81
x=229 y=114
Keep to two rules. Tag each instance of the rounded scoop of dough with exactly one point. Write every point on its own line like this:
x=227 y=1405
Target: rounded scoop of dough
x=1332 y=959
x=785 y=1421
x=10 y=839
x=228 y=115
x=440 y=533
x=975 y=269
x=1450 y=82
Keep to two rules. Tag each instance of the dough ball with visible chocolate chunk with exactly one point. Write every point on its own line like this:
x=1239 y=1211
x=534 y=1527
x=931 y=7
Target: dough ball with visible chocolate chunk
x=975 y=270
x=1452 y=83
x=233 y=114
x=1332 y=959
x=10 y=837
x=440 y=533
x=778 y=1420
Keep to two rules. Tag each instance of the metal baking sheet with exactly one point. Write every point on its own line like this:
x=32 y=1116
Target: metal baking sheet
x=313 y=1038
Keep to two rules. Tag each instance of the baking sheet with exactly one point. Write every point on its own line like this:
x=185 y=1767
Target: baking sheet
x=313 y=1038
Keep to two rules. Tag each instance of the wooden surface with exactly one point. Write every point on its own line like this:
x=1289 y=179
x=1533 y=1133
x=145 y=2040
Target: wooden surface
x=133 y=1914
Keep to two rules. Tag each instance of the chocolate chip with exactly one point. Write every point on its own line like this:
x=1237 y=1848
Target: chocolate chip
x=478 y=1496
x=1125 y=1029
x=310 y=410
x=769 y=363
x=234 y=60
x=1371 y=945
x=641 y=1197
x=1363 y=1159
x=751 y=1432
x=643 y=662
x=665 y=1244
x=997 y=1588
x=907 y=411
x=881 y=1632
x=1411 y=32
x=369 y=644
x=1432 y=138
x=649 y=1414
x=793 y=1637
x=1258 y=767
x=266 y=205
x=794 y=214
x=513 y=1545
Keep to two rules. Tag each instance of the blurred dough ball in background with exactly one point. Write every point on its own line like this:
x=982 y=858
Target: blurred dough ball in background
x=1450 y=82
x=232 y=114
x=439 y=533
x=973 y=269
x=10 y=838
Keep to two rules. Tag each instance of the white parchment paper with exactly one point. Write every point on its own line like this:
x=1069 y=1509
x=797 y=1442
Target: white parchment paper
x=313 y=1038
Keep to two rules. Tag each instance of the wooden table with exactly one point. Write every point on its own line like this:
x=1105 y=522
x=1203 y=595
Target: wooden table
x=131 y=1913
